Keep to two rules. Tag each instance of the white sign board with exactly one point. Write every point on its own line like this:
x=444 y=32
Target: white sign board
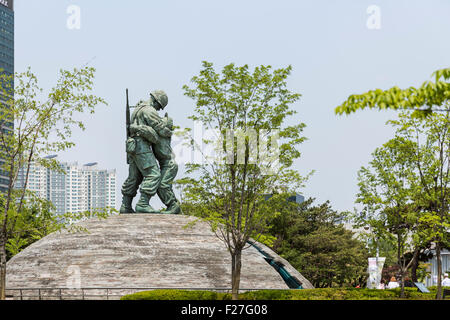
x=374 y=270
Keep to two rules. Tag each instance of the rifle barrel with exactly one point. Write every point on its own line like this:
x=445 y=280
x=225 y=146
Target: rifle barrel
x=128 y=116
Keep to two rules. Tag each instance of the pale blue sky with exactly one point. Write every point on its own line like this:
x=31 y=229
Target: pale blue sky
x=147 y=45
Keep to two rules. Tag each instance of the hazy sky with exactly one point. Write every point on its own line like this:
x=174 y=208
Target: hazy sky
x=147 y=45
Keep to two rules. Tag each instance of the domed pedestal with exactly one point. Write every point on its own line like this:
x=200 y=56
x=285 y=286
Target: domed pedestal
x=134 y=252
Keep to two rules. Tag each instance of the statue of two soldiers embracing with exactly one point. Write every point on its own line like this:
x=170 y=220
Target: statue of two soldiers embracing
x=152 y=165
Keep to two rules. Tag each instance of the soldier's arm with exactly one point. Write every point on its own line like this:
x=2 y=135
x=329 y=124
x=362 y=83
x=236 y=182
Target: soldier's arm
x=146 y=132
x=153 y=120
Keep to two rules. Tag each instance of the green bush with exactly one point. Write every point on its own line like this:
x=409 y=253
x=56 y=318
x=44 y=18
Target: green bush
x=322 y=294
x=433 y=291
x=176 y=295
x=266 y=295
x=434 y=288
x=303 y=294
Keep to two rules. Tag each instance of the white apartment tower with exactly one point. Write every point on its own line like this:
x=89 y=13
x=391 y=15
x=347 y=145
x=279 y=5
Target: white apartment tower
x=79 y=189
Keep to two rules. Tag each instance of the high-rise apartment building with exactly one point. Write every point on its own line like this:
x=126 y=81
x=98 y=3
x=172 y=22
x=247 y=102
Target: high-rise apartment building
x=6 y=60
x=79 y=189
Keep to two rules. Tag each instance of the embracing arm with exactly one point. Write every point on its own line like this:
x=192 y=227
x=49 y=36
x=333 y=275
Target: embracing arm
x=153 y=120
x=146 y=132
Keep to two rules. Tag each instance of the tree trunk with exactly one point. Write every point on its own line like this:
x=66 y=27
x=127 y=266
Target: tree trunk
x=2 y=267
x=402 y=283
x=414 y=266
x=439 y=271
x=400 y=264
x=236 y=273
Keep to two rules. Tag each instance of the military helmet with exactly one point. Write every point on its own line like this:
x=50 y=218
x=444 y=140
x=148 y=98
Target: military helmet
x=161 y=97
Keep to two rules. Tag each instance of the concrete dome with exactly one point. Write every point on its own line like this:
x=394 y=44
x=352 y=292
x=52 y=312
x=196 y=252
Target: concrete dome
x=141 y=251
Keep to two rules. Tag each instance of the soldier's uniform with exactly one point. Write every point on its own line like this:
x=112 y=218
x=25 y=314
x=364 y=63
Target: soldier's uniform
x=169 y=168
x=143 y=168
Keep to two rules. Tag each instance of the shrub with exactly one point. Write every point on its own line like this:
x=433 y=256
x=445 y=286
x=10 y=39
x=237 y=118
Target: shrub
x=176 y=295
x=303 y=294
x=267 y=295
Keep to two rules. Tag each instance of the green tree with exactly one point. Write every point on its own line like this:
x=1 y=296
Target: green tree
x=405 y=192
x=245 y=110
x=31 y=128
x=316 y=243
x=386 y=191
x=431 y=160
x=36 y=220
x=430 y=96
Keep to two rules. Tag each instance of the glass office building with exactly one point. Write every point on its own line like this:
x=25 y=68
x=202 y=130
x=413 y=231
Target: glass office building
x=6 y=58
x=7 y=36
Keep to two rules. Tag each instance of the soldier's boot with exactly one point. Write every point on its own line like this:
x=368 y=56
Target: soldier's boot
x=126 y=205
x=173 y=208
x=168 y=198
x=143 y=205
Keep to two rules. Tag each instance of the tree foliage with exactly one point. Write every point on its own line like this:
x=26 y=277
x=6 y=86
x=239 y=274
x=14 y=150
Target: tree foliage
x=429 y=97
x=314 y=241
x=431 y=157
x=32 y=125
x=427 y=109
x=405 y=191
x=34 y=222
x=387 y=195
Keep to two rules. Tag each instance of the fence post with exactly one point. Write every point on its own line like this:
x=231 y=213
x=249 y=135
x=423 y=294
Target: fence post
x=60 y=294
x=82 y=293
x=21 y=297
x=39 y=292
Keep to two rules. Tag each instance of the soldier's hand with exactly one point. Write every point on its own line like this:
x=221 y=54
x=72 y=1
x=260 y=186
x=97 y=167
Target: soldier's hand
x=134 y=128
x=165 y=132
x=137 y=129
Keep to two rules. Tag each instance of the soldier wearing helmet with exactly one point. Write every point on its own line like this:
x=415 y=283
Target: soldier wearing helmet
x=146 y=127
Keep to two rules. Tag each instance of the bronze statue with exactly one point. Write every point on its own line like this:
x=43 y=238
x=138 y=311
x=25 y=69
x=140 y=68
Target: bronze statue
x=151 y=162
